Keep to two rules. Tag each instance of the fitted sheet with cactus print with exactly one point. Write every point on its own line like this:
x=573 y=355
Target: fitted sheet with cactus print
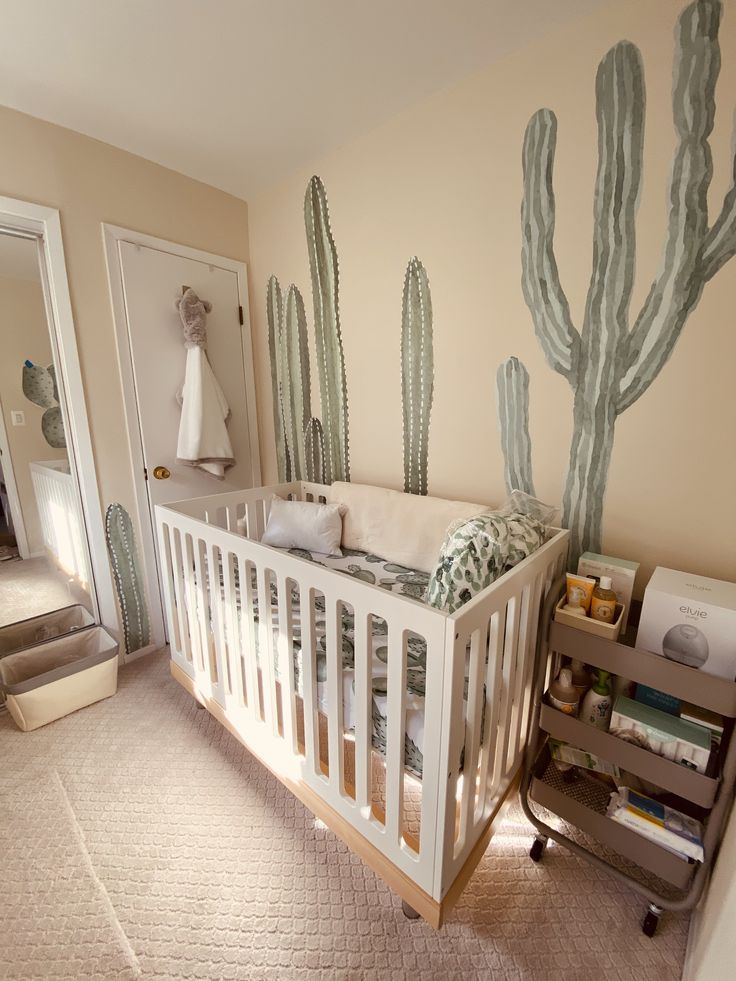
x=395 y=578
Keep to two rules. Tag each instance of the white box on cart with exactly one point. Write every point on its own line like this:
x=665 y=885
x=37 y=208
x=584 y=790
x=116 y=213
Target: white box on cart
x=690 y=619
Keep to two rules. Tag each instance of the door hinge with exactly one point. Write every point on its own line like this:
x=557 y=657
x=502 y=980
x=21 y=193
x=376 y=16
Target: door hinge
x=240 y=315
x=145 y=473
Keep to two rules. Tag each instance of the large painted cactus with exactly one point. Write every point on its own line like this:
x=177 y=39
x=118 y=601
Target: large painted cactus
x=512 y=388
x=275 y=316
x=609 y=364
x=417 y=375
x=314 y=451
x=296 y=399
x=330 y=360
x=128 y=579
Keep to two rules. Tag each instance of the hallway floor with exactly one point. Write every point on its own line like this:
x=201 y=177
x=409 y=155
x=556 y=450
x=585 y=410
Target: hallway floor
x=29 y=587
x=139 y=839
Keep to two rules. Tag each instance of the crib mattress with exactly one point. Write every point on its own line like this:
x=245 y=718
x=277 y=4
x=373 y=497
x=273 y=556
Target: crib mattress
x=395 y=578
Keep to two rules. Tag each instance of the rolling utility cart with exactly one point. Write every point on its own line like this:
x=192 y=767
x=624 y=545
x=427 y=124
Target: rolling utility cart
x=582 y=804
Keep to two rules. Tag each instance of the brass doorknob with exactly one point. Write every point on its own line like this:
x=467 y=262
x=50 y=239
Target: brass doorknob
x=161 y=473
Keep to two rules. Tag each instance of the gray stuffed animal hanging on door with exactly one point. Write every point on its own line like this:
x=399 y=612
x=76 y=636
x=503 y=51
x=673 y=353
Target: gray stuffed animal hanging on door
x=193 y=313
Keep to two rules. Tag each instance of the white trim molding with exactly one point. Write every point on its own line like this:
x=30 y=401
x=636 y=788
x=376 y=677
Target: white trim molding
x=44 y=225
x=113 y=236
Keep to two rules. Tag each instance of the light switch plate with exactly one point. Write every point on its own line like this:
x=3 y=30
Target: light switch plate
x=17 y=417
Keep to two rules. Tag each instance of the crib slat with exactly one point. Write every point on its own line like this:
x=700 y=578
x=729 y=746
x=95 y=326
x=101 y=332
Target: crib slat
x=517 y=693
x=177 y=560
x=286 y=662
x=203 y=611
x=234 y=686
x=248 y=633
x=511 y=637
x=395 y=729
x=335 y=725
x=217 y=627
x=476 y=670
x=266 y=649
x=164 y=537
x=494 y=680
x=251 y=520
x=309 y=648
x=192 y=606
x=363 y=708
x=527 y=648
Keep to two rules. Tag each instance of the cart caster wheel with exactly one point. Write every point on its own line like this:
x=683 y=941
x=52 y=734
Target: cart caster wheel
x=537 y=849
x=409 y=912
x=651 y=921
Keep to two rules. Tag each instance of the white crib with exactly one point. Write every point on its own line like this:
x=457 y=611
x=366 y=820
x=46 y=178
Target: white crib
x=426 y=856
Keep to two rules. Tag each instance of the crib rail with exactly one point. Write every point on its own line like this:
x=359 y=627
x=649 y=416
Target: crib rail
x=218 y=589
x=493 y=642
x=225 y=593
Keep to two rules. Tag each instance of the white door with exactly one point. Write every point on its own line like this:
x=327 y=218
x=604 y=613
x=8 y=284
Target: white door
x=152 y=280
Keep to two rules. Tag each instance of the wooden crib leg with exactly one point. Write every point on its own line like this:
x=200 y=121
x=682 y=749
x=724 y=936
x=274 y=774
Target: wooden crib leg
x=409 y=912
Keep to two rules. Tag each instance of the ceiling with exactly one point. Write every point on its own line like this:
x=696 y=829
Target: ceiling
x=239 y=93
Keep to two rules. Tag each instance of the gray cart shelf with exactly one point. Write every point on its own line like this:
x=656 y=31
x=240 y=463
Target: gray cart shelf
x=583 y=804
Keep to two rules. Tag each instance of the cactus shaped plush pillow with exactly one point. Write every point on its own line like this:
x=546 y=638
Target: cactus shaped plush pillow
x=478 y=551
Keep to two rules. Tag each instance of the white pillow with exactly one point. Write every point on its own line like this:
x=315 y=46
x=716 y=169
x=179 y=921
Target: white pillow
x=302 y=524
x=404 y=528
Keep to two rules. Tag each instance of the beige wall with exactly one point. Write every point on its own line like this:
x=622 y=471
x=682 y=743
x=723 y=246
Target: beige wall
x=443 y=181
x=91 y=182
x=24 y=334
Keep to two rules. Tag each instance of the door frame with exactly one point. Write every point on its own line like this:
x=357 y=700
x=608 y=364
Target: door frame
x=113 y=236
x=44 y=224
x=16 y=511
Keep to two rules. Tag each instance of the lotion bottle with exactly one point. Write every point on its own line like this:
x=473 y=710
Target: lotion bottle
x=598 y=704
x=603 y=602
x=563 y=695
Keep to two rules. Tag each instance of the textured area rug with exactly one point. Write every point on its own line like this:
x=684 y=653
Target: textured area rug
x=213 y=870
x=55 y=916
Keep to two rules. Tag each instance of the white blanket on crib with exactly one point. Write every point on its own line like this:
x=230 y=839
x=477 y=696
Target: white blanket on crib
x=203 y=441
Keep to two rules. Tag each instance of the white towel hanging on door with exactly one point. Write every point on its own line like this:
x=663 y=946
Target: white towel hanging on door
x=204 y=441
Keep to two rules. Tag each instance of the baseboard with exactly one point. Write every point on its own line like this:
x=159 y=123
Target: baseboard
x=141 y=652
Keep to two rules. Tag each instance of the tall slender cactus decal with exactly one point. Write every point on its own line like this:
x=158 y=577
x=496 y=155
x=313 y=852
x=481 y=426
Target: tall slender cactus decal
x=274 y=316
x=608 y=365
x=314 y=451
x=330 y=361
x=417 y=375
x=512 y=387
x=296 y=399
x=128 y=579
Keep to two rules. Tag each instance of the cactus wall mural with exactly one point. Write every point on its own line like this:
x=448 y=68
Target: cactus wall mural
x=305 y=445
x=417 y=375
x=128 y=578
x=608 y=363
x=314 y=448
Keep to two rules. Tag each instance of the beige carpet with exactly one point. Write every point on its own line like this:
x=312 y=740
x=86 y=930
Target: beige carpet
x=29 y=587
x=193 y=862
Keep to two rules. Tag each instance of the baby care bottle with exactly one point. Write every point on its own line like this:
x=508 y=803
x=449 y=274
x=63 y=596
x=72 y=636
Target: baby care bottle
x=563 y=695
x=603 y=603
x=580 y=676
x=598 y=704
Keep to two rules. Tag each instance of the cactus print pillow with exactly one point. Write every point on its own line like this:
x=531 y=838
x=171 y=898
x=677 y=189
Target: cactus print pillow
x=478 y=551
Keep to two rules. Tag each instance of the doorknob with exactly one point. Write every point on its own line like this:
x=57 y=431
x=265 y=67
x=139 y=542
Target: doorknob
x=161 y=473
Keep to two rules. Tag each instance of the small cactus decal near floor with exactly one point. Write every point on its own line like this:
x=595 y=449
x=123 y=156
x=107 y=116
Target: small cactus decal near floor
x=609 y=364
x=39 y=387
x=417 y=375
x=128 y=578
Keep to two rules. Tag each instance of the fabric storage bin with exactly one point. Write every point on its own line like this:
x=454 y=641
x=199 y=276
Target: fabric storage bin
x=51 y=680
x=36 y=630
